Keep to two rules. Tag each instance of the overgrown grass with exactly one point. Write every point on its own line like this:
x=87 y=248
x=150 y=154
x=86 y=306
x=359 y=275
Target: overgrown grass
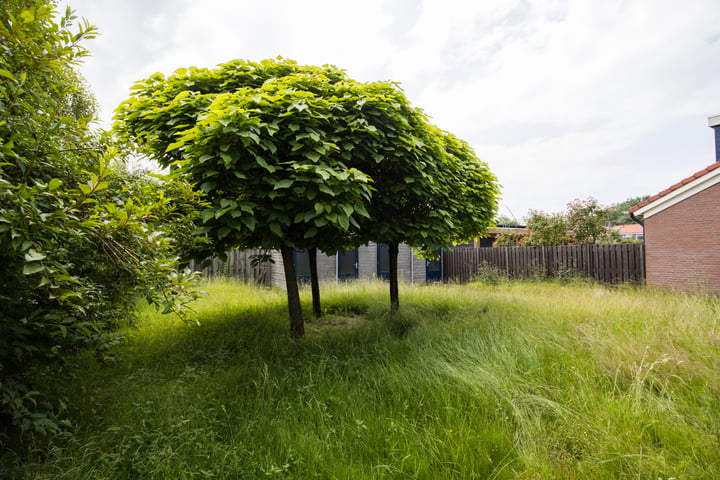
x=514 y=380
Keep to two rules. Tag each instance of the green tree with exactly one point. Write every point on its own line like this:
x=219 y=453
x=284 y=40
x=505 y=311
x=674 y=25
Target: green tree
x=79 y=240
x=287 y=154
x=431 y=190
x=618 y=212
x=263 y=143
x=587 y=221
x=546 y=229
x=505 y=221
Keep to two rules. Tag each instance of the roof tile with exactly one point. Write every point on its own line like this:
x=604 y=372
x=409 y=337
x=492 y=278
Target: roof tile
x=674 y=187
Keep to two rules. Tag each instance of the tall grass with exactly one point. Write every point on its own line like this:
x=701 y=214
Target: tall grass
x=515 y=380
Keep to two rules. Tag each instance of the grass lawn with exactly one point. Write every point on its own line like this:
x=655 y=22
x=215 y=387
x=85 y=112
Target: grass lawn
x=516 y=380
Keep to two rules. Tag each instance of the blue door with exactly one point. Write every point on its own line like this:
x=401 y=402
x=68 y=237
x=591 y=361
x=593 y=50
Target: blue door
x=301 y=259
x=347 y=264
x=383 y=261
x=433 y=269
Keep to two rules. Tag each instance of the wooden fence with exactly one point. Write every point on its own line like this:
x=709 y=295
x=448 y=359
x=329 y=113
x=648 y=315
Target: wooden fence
x=238 y=265
x=605 y=263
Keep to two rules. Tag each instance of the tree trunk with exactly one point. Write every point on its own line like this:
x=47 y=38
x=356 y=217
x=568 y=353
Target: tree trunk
x=314 y=282
x=393 y=249
x=297 y=323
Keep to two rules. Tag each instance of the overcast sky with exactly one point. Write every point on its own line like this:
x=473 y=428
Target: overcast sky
x=562 y=99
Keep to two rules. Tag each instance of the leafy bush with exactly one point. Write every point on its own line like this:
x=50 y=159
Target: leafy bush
x=79 y=239
x=509 y=240
x=489 y=274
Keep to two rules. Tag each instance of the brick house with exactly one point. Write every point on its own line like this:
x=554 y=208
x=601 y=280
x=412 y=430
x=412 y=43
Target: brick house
x=682 y=231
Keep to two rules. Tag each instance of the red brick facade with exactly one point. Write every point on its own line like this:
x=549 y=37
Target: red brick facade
x=682 y=244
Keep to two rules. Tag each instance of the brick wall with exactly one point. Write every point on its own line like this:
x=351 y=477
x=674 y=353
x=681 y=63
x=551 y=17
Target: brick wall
x=682 y=244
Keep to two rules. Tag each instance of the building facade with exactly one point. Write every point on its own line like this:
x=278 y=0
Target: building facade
x=682 y=234
x=366 y=262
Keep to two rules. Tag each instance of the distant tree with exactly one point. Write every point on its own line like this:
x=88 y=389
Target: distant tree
x=546 y=229
x=587 y=221
x=504 y=221
x=617 y=213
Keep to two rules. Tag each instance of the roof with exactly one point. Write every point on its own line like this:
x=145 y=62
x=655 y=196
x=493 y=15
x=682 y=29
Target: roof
x=502 y=229
x=678 y=192
x=629 y=229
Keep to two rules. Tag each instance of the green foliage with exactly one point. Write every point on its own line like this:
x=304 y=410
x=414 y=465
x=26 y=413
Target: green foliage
x=516 y=380
x=292 y=150
x=587 y=221
x=488 y=274
x=617 y=213
x=79 y=240
x=508 y=239
x=546 y=229
x=505 y=221
x=262 y=140
x=583 y=223
x=302 y=156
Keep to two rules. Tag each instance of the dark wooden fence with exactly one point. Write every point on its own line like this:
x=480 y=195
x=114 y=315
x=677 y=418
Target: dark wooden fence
x=605 y=263
x=238 y=265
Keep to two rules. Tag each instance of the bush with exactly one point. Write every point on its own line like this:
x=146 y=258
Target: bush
x=488 y=274
x=79 y=238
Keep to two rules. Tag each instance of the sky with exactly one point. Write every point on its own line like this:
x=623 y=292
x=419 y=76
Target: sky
x=562 y=99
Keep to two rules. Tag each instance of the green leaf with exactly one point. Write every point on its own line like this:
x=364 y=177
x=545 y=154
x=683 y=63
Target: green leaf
x=208 y=214
x=325 y=189
x=33 y=256
x=208 y=186
x=270 y=146
x=33 y=267
x=27 y=16
x=276 y=229
x=313 y=156
x=285 y=183
x=311 y=232
x=227 y=158
x=223 y=232
x=174 y=146
x=6 y=74
x=360 y=208
x=249 y=222
x=348 y=209
x=54 y=184
x=261 y=161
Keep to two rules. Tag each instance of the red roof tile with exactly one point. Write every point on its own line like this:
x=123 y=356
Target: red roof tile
x=672 y=188
x=629 y=229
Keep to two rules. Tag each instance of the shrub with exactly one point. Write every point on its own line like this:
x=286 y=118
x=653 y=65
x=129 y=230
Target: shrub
x=79 y=239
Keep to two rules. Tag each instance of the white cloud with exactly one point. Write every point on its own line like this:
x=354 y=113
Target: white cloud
x=559 y=97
